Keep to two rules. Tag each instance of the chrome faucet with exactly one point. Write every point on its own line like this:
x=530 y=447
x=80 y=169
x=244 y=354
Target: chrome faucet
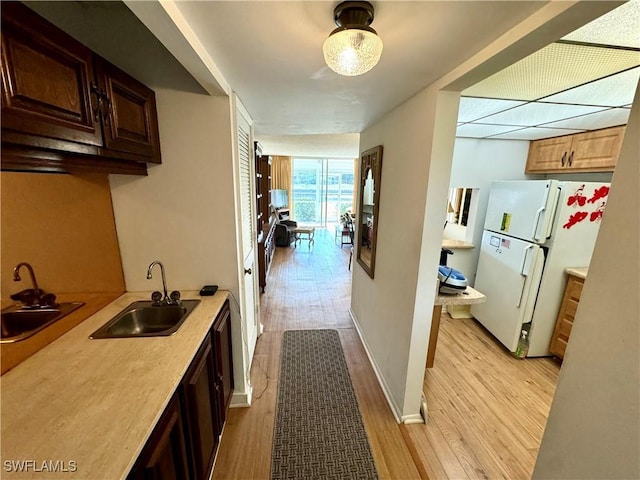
x=165 y=299
x=16 y=278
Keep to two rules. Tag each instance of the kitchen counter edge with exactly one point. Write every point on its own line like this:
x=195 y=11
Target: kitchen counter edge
x=580 y=272
x=95 y=402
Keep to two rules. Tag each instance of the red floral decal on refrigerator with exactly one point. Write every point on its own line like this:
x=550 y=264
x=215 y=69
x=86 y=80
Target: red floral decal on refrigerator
x=575 y=218
x=596 y=215
x=599 y=193
x=578 y=198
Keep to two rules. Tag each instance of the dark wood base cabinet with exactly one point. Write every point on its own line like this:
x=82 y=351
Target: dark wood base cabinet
x=165 y=455
x=266 y=249
x=185 y=441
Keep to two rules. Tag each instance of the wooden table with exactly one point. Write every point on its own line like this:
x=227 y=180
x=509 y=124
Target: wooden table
x=299 y=231
x=469 y=296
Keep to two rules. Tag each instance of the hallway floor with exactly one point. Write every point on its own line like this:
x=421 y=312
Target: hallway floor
x=487 y=410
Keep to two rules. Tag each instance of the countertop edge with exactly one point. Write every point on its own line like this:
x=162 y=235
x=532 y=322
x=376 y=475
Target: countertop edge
x=579 y=272
x=97 y=377
x=470 y=296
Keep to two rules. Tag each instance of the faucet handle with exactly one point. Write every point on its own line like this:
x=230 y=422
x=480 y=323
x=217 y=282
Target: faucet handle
x=48 y=300
x=156 y=298
x=175 y=297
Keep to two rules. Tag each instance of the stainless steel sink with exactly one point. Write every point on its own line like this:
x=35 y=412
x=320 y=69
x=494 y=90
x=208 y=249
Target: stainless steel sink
x=144 y=319
x=18 y=322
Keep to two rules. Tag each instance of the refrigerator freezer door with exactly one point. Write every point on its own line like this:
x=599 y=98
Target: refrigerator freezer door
x=509 y=273
x=522 y=209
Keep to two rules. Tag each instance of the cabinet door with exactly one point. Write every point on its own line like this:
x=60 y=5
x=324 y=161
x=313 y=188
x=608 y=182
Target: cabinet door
x=200 y=402
x=128 y=112
x=165 y=456
x=224 y=361
x=596 y=151
x=549 y=154
x=46 y=84
x=566 y=315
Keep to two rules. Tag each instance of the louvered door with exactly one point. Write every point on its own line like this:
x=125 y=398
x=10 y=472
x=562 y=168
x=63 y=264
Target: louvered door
x=246 y=165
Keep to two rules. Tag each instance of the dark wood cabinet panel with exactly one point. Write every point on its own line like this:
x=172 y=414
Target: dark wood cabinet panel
x=128 y=113
x=46 y=80
x=184 y=443
x=266 y=222
x=223 y=362
x=165 y=455
x=201 y=412
x=61 y=98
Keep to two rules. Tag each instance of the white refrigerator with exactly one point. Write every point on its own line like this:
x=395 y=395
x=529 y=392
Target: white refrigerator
x=533 y=230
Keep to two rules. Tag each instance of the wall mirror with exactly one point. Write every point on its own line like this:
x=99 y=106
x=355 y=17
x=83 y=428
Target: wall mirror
x=459 y=205
x=462 y=214
x=368 y=205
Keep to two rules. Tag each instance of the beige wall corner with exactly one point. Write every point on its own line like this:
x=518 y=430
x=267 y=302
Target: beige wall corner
x=593 y=429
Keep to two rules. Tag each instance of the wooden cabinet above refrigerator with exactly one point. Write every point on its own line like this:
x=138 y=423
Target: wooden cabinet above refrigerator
x=594 y=151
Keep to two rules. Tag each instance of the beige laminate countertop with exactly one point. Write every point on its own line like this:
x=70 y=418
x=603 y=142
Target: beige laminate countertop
x=456 y=244
x=95 y=402
x=580 y=272
x=469 y=296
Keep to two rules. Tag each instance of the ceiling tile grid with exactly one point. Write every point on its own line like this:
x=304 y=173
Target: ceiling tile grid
x=585 y=81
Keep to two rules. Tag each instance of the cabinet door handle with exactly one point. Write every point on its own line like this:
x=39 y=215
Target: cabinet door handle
x=106 y=107
x=571 y=158
x=97 y=110
x=564 y=156
x=247 y=271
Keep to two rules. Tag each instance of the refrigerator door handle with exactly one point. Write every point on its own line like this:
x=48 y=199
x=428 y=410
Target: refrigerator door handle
x=523 y=274
x=535 y=225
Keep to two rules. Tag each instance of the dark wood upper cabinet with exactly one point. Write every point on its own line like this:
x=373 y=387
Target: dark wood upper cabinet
x=46 y=80
x=65 y=108
x=128 y=110
x=165 y=455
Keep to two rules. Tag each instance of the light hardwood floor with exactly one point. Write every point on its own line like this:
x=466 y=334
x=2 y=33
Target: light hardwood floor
x=486 y=410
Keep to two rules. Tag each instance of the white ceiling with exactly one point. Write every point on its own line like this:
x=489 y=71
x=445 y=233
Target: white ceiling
x=270 y=53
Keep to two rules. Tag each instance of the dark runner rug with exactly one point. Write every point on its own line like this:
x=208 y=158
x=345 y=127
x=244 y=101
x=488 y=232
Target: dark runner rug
x=318 y=432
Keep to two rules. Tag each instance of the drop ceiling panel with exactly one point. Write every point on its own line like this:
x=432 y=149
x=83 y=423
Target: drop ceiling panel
x=614 y=91
x=619 y=27
x=535 y=133
x=479 y=130
x=533 y=114
x=556 y=67
x=472 y=109
x=607 y=118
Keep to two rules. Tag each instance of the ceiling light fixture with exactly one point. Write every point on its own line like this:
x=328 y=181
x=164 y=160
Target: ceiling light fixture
x=354 y=47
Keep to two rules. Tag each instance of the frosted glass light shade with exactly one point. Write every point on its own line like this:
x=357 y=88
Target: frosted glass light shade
x=352 y=52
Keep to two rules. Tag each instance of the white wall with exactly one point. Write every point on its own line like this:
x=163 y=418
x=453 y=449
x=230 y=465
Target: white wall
x=393 y=311
x=384 y=307
x=476 y=164
x=183 y=212
x=343 y=145
x=593 y=429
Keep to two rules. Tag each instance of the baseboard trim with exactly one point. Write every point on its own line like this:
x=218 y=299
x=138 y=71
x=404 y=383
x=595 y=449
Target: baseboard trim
x=385 y=390
x=241 y=399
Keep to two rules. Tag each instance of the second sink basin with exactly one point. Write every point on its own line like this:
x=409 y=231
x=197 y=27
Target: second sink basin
x=143 y=319
x=18 y=323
